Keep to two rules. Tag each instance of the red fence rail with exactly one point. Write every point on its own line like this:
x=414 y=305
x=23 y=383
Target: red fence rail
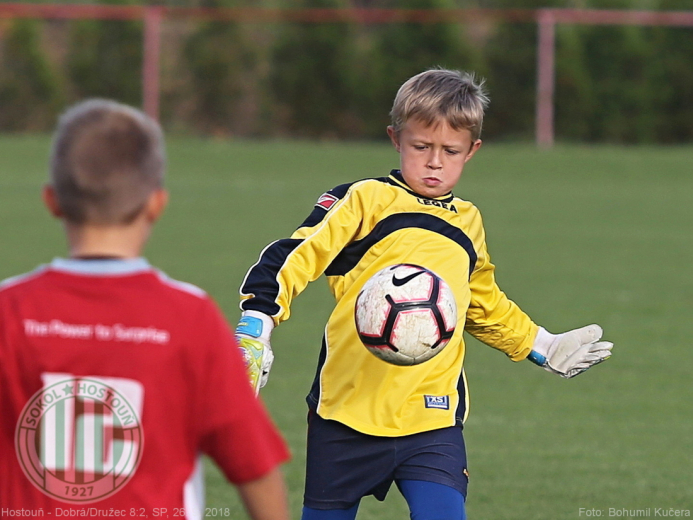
x=546 y=20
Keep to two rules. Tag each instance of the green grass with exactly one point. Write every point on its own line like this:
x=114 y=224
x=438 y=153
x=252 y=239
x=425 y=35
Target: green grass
x=579 y=235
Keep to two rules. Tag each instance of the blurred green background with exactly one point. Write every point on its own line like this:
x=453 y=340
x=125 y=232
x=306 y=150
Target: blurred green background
x=579 y=234
x=614 y=84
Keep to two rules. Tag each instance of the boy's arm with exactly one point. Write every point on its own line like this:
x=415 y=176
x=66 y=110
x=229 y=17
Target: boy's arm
x=265 y=498
x=500 y=323
x=492 y=317
x=285 y=268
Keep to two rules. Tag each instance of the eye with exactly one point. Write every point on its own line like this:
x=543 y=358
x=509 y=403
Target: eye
x=419 y=146
x=450 y=151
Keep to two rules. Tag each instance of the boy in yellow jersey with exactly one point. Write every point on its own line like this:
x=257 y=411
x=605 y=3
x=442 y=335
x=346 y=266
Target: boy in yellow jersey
x=372 y=423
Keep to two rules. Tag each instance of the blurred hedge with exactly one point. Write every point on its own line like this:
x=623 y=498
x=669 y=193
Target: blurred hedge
x=613 y=84
x=30 y=90
x=104 y=59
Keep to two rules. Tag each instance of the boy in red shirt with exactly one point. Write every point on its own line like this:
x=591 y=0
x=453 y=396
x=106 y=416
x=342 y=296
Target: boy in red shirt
x=114 y=379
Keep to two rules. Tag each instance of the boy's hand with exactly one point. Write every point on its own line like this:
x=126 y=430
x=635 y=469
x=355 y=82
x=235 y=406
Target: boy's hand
x=570 y=353
x=253 y=336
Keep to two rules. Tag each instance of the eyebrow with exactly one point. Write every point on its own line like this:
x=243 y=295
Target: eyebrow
x=445 y=145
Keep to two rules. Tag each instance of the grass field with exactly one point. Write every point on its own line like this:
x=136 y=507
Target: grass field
x=578 y=234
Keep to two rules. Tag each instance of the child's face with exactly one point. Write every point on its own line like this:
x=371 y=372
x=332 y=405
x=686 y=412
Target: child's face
x=432 y=157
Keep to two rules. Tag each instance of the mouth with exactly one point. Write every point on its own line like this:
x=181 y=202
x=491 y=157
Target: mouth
x=432 y=181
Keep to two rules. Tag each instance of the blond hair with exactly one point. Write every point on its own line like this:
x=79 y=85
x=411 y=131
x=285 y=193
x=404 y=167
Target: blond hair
x=107 y=158
x=456 y=97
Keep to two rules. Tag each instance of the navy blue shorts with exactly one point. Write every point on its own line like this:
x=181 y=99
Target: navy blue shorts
x=344 y=465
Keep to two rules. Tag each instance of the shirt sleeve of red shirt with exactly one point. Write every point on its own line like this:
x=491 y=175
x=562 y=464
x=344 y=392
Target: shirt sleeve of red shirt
x=235 y=428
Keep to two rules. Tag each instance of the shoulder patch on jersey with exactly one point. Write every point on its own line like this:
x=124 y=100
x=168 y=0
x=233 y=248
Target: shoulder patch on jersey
x=326 y=201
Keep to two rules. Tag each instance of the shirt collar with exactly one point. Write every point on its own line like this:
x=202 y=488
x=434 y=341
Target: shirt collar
x=98 y=267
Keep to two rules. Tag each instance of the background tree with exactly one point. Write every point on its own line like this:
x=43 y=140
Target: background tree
x=30 y=88
x=312 y=77
x=105 y=58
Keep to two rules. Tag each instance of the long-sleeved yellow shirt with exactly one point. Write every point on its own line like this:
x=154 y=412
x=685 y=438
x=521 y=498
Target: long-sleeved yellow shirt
x=354 y=231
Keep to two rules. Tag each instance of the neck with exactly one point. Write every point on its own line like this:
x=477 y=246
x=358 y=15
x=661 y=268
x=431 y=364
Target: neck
x=112 y=241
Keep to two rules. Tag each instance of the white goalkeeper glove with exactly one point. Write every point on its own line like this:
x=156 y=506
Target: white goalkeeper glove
x=253 y=336
x=570 y=353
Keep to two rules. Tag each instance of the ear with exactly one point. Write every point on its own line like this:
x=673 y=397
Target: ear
x=156 y=204
x=393 y=137
x=50 y=200
x=472 y=149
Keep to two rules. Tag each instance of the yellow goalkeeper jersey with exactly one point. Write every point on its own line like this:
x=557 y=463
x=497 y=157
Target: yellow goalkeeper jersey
x=354 y=231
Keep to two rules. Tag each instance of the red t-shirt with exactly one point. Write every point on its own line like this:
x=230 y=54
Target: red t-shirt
x=113 y=380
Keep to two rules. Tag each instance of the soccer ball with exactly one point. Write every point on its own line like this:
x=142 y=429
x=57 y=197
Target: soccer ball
x=405 y=314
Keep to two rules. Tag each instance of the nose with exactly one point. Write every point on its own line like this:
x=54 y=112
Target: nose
x=435 y=161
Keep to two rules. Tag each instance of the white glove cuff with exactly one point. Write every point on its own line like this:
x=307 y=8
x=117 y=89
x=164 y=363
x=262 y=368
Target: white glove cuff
x=260 y=326
x=543 y=341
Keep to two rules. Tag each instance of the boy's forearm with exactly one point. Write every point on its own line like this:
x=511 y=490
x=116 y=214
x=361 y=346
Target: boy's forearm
x=504 y=327
x=265 y=498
